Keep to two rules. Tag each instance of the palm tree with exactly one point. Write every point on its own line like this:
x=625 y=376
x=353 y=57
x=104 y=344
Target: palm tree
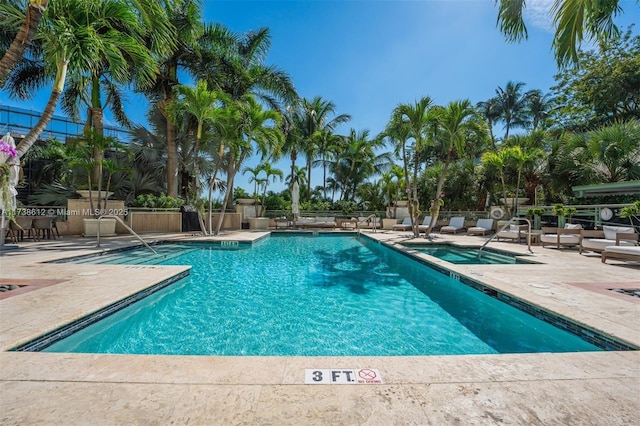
x=538 y=109
x=418 y=119
x=357 y=160
x=512 y=104
x=69 y=44
x=314 y=116
x=490 y=110
x=185 y=16
x=572 y=19
x=520 y=158
x=457 y=122
x=203 y=105
x=611 y=153
x=497 y=160
x=271 y=173
x=254 y=126
x=327 y=144
x=24 y=36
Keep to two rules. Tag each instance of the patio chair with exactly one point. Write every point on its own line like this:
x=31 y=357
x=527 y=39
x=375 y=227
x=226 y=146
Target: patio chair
x=425 y=224
x=482 y=227
x=22 y=224
x=455 y=225
x=609 y=236
x=404 y=226
x=569 y=236
x=621 y=253
x=44 y=225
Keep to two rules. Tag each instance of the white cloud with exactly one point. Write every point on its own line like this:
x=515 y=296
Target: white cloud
x=537 y=13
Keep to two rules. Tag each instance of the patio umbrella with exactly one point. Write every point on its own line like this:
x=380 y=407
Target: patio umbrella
x=295 y=199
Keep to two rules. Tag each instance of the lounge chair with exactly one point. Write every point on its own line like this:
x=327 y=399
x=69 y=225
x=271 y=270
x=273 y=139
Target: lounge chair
x=609 y=236
x=317 y=222
x=455 y=225
x=621 y=253
x=482 y=227
x=404 y=226
x=425 y=224
x=569 y=236
x=513 y=232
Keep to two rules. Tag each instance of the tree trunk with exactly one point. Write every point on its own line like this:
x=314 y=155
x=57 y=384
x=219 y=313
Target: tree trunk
x=23 y=39
x=435 y=204
x=42 y=123
x=56 y=90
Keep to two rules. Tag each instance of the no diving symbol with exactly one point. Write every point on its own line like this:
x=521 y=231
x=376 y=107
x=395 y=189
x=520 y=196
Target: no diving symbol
x=367 y=374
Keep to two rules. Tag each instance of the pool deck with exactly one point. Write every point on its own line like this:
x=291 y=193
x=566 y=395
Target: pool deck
x=589 y=388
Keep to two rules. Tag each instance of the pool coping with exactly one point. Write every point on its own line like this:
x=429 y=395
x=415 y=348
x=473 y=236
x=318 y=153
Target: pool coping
x=523 y=388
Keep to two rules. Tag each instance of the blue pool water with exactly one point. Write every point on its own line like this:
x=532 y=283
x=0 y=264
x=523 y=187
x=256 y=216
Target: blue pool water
x=303 y=295
x=467 y=256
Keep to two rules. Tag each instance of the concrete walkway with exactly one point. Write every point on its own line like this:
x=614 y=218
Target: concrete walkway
x=568 y=388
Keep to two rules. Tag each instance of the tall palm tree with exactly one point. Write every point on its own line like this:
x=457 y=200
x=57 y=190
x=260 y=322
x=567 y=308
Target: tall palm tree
x=538 y=109
x=573 y=19
x=204 y=106
x=357 y=160
x=76 y=36
x=315 y=116
x=520 y=158
x=271 y=173
x=490 y=110
x=419 y=119
x=186 y=17
x=327 y=144
x=456 y=123
x=255 y=128
x=512 y=104
x=24 y=36
x=497 y=160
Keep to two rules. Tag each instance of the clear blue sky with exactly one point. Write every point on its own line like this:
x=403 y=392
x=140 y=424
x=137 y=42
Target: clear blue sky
x=367 y=56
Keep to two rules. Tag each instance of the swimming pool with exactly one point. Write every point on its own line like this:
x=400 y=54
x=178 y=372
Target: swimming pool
x=312 y=295
x=468 y=255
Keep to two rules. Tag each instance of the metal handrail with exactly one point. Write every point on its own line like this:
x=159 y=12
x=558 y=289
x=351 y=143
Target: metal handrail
x=371 y=216
x=502 y=229
x=110 y=216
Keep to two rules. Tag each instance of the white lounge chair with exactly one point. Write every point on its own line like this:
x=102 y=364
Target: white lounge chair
x=513 y=232
x=482 y=227
x=404 y=226
x=609 y=236
x=425 y=224
x=569 y=236
x=455 y=225
x=621 y=253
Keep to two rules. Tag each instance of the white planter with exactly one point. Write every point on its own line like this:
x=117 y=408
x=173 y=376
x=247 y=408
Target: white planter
x=245 y=201
x=512 y=201
x=258 y=223
x=107 y=227
x=84 y=193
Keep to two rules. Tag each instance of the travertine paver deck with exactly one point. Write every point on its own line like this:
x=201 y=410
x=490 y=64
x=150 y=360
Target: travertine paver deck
x=569 y=388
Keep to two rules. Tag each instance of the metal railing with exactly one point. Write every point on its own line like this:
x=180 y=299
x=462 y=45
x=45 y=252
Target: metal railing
x=375 y=222
x=110 y=216
x=509 y=222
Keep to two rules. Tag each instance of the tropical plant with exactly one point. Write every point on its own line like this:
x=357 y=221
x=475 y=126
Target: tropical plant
x=457 y=123
x=204 y=106
x=604 y=89
x=84 y=156
x=413 y=122
x=573 y=19
x=29 y=22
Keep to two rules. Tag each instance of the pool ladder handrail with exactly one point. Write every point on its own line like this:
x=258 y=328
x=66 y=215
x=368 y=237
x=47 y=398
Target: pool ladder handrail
x=509 y=222
x=366 y=219
x=110 y=216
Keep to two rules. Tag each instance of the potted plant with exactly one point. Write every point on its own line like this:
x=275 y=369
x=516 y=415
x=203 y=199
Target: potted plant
x=89 y=156
x=535 y=213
